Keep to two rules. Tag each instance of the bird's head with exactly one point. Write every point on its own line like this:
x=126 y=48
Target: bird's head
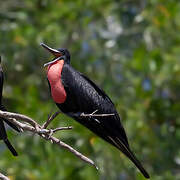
x=62 y=52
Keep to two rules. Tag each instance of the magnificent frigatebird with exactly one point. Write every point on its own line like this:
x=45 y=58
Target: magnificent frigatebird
x=3 y=134
x=77 y=96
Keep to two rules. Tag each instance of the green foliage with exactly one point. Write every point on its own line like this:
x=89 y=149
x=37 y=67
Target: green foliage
x=130 y=48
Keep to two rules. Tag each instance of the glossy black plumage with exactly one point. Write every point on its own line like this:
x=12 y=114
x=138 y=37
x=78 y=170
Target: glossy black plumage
x=84 y=96
x=3 y=134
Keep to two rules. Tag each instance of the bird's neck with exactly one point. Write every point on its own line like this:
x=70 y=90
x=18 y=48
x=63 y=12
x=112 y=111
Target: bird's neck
x=54 y=76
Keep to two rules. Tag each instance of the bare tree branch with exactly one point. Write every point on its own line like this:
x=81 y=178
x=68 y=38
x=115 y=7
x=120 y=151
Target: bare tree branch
x=3 y=177
x=21 y=117
x=31 y=125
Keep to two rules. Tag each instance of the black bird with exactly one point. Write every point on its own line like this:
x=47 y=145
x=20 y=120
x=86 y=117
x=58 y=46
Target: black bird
x=3 y=135
x=76 y=95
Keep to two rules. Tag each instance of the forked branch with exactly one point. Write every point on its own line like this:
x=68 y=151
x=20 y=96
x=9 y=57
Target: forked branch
x=28 y=124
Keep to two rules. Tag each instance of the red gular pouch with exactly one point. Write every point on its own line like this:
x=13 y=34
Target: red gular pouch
x=58 y=92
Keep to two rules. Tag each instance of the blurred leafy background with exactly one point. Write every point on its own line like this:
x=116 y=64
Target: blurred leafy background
x=131 y=48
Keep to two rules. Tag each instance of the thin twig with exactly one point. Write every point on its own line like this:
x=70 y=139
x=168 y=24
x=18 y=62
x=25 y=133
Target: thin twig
x=32 y=126
x=69 y=148
x=62 y=128
x=45 y=125
x=95 y=115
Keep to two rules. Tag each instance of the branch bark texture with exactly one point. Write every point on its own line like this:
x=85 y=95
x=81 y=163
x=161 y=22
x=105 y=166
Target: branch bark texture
x=26 y=124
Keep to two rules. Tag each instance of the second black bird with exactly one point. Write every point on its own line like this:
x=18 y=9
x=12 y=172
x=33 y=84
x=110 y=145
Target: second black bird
x=3 y=134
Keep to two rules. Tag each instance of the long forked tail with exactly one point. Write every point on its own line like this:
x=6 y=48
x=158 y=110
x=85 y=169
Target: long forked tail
x=138 y=164
x=3 y=136
x=10 y=147
x=126 y=150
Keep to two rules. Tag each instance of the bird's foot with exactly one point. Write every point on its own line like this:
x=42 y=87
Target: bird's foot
x=93 y=114
x=80 y=114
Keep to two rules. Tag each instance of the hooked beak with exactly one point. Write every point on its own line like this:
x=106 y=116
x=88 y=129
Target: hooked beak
x=55 y=52
x=51 y=62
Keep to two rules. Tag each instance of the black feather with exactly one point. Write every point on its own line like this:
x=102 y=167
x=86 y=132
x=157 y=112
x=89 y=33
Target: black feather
x=85 y=96
x=3 y=134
